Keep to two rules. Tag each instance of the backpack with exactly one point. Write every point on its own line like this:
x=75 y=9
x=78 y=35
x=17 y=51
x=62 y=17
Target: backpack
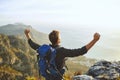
x=46 y=62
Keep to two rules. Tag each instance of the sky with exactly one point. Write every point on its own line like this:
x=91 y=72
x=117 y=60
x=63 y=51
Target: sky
x=65 y=12
x=94 y=15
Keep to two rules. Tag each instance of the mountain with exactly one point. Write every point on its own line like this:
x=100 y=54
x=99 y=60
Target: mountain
x=17 y=29
x=17 y=59
x=13 y=29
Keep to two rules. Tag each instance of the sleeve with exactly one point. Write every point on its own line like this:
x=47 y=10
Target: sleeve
x=33 y=45
x=74 y=52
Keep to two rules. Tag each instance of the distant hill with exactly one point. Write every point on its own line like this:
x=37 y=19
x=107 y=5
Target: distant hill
x=13 y=29
x=18 y=30
x=81 y=64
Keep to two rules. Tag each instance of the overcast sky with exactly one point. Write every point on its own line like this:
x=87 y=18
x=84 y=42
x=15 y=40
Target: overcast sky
x=79 y=12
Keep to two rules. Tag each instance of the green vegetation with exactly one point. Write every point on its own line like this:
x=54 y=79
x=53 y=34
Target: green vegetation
x=17 y=60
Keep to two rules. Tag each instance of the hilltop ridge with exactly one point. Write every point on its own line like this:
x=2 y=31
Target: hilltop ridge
x=17 y=29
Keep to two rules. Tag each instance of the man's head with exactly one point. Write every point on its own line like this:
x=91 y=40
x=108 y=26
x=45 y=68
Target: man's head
x=54 y=37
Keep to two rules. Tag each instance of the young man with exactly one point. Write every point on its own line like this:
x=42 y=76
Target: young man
x=61 y=52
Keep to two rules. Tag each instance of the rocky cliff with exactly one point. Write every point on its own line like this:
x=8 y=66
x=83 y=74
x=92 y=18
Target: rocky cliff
x=17 y=60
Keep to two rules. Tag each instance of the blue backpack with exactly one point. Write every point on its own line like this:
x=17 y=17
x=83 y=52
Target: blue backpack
x=46 y=63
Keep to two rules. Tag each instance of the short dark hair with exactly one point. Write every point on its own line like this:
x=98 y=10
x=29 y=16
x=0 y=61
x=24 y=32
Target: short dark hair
x=54 y=36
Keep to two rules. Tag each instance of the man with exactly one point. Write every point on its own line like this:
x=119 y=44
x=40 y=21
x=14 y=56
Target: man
x=61 y=52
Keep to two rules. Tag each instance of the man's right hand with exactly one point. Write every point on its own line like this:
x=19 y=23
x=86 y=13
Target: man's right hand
x=27 y=31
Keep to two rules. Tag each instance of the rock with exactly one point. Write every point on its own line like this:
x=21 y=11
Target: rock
x=105 y=70
x=83 y=77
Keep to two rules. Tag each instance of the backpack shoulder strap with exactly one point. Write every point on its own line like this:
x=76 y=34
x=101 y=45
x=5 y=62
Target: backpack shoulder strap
x=43 y=49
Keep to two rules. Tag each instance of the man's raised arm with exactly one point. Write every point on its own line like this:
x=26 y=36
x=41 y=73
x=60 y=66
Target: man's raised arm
x=32 y=44
x=96 y=37
x=27 y=33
